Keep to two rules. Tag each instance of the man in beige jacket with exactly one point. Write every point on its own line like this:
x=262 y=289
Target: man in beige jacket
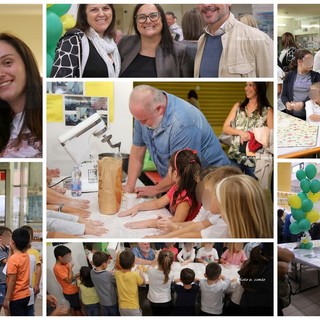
x=229 y=48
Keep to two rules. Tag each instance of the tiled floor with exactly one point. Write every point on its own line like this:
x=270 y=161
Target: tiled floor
x=306 y=303
x=38 y=307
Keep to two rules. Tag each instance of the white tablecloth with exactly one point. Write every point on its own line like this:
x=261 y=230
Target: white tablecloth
x=310 y=257
x=229 y=271
x=115 y=224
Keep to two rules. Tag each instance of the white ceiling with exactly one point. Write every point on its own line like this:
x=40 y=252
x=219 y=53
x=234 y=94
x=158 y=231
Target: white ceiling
x=298 y=11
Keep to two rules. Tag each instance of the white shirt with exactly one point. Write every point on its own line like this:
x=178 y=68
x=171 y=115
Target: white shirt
x=186 y=255
x=316 y=62
x=218 y=230
x=212 y=295
x=24 y=150
x=312 y=108
x=208 y=256
x=159 y=292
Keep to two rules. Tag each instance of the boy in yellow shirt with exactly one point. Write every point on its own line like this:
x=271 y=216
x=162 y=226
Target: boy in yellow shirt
x=127 y=285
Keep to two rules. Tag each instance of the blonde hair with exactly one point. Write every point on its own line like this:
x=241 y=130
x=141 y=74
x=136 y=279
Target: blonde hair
x=249 y=20
x=232 y=246
x=242 y=204
x=211 y=180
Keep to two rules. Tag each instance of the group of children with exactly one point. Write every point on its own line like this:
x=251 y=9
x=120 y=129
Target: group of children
x=99 y=291
x=222 y=191
x=20 y=271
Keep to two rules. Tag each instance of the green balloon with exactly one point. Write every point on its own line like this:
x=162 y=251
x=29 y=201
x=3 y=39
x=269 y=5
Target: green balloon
x=309 y=245
x=302 y=246
x=315 y=186
x=59 y=9
x=302 y=196
x=305 y=185
x=298 y=214
x=294 y=228
x=311 y=171
x=49 y=64
x=54 y=29
x=304 y=225
x=307 y=205
x=300 y=174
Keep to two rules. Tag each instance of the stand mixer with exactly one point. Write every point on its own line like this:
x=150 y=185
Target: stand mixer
x=80 y=147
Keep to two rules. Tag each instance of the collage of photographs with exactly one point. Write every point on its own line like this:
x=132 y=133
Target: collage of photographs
x=112 y=140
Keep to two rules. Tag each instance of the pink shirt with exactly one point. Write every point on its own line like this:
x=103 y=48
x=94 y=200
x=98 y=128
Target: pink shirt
x=180 y=199
x=236 y=258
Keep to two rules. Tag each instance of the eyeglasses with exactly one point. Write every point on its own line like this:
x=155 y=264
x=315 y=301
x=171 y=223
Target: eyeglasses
x=153 y=17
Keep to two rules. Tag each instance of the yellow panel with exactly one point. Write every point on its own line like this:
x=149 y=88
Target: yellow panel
x=216 y=98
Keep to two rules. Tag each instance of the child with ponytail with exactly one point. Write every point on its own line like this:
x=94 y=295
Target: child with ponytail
x=184 y=170
x=160 y=280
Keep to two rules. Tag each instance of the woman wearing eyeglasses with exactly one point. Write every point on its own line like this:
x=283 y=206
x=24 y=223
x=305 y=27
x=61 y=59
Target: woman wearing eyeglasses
x=89 y=50
x=152 y=52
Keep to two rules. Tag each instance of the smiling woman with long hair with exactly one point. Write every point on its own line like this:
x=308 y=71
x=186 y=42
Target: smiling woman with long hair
x=20 y=100
x=152 y=52
x=89 y=50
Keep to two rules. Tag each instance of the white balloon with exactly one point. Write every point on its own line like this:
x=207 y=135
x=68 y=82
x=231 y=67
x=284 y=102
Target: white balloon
x=292 y=219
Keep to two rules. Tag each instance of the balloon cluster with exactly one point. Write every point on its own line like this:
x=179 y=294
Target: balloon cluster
x=58 y=22
x=303 y=214
x=305 y=242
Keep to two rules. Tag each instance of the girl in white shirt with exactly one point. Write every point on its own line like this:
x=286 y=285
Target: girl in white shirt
x=313 y=105
x=187 y=254
x=160 y=280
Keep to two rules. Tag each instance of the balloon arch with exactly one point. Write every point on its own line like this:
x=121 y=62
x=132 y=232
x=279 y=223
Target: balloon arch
x=302 y=205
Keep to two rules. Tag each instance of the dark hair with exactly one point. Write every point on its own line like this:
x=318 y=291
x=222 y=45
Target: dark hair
x=188 y=166
x=126 y=259
x=170 y=13
x=99 y=258
x=280 y=213
x=166 y=42
x=299 y=55
x=82 y=23
x=192 y=24
x=29 y=229
x=33 y=92
x=88 y=246
x=165 y=260
x=192 y=94
x=4 y=229
x=261 y=89
x=187 y=276
x=85 y=277
x=260 y=256
x=287 y=40
x=61 y=251
x=213 y=271
x=21 y=239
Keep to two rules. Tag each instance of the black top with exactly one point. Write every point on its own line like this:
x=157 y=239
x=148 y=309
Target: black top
x=141 y=67
x=95 y=66
x=186 y=300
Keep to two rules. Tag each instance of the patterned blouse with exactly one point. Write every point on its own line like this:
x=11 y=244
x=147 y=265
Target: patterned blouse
x=30 y=146
x=243 y=122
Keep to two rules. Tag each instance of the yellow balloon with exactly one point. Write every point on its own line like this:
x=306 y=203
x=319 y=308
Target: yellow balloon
x=295 y=202
x=49 y=5
x=312 y=196
x=305 y=241
x=312 y=216
x=68 y=21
